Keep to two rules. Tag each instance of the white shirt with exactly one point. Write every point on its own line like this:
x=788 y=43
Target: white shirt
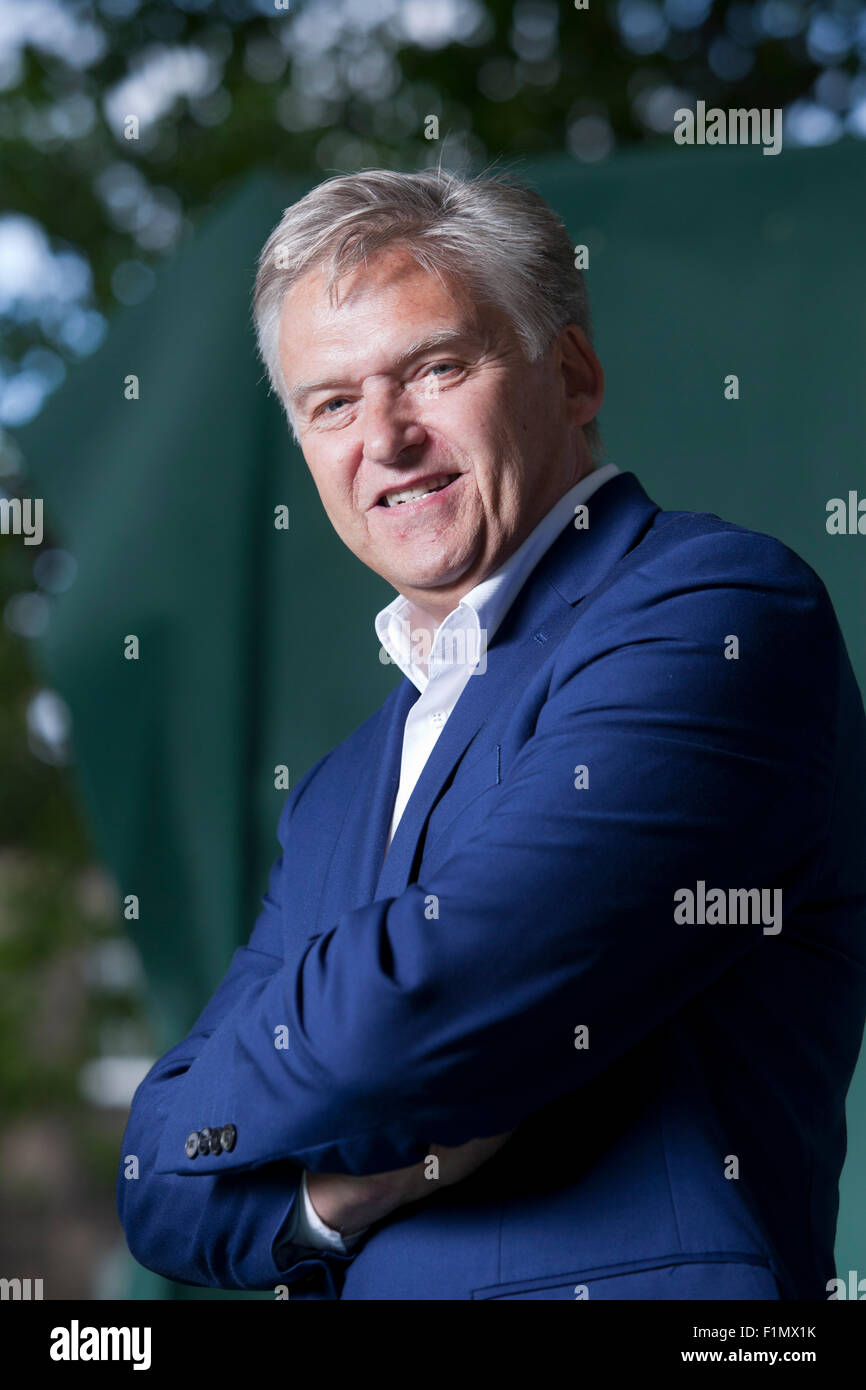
x=439 y=661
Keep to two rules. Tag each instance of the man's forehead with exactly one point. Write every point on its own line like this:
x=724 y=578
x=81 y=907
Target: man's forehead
x=389 y=326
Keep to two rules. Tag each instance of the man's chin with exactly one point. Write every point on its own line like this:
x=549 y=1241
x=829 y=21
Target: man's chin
x=430 y=577
x=431 y=584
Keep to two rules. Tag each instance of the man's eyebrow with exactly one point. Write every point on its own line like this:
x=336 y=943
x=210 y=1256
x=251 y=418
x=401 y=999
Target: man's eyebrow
x=443 y=337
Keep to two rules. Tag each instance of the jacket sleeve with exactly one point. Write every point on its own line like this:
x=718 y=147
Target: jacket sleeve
x=544 y=943
x=226 y=1229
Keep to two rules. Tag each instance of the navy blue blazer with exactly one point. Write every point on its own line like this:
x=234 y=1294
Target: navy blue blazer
x=522 y=958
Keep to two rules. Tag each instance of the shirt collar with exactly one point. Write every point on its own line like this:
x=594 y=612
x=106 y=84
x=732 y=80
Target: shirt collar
x=469 y=628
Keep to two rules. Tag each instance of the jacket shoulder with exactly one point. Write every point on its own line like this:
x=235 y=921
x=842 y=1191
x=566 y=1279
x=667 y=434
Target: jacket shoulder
x=699 y=553
x=693 y=580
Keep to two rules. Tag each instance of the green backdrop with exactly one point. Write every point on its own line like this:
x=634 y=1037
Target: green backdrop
x=702 y=263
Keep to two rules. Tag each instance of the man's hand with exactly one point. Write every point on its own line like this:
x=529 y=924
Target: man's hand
x=348 y=1203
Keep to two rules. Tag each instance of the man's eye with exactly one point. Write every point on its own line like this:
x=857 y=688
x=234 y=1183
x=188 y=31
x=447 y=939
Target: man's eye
x=445 y=366
x=338 y=401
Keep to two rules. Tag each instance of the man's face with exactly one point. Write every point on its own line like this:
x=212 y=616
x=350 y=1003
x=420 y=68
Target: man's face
x=405 y=388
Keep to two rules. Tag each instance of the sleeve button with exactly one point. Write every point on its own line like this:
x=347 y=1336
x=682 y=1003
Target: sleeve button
x=228 y=1138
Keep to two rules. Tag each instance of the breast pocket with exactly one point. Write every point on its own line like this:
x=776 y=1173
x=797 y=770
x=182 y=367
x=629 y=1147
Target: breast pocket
x=476 y=779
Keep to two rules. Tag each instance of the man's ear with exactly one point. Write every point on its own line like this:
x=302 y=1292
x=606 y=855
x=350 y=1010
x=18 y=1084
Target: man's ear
x=581 y=373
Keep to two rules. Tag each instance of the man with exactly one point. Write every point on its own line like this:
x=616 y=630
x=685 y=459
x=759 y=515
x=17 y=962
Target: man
x=559 y=983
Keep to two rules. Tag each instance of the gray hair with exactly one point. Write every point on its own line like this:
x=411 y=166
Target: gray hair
x=498 y=237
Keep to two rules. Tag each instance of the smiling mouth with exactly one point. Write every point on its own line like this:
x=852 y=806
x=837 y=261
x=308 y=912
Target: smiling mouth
x=400 y=496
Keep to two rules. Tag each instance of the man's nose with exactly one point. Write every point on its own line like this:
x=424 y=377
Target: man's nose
x=390 y=427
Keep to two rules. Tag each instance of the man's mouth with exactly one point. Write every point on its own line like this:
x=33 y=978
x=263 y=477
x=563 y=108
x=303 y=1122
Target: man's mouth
x=398 y=496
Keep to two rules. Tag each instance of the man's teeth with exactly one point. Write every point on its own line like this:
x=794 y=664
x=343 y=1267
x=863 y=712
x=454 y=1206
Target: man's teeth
x=411 y=494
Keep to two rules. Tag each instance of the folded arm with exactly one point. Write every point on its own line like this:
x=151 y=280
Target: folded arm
x=556 y=913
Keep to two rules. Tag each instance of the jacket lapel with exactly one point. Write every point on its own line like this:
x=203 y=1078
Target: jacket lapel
x=378 y=805
x=349 y=876
x=538 y=619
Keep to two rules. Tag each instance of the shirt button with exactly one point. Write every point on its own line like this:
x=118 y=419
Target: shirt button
x=438 y=718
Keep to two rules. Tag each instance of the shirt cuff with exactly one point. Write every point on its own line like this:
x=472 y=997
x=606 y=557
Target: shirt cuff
x=310 y=1229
